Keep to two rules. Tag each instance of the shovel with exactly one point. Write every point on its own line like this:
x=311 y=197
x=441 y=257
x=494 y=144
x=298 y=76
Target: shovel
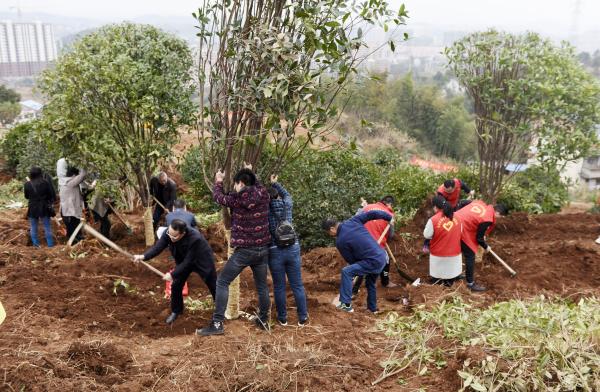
x=129 y=229
x=413 y=281
x=336 y=300
x=89 y=229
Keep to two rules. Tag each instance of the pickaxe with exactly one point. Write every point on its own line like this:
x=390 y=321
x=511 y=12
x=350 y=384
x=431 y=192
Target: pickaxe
x=129 y=229
x=513 y=273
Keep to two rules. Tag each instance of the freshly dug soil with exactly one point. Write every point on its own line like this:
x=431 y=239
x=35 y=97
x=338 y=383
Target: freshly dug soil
x=71 y=325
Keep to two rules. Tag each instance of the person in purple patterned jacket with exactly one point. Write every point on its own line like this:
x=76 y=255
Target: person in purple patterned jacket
x=250 y=238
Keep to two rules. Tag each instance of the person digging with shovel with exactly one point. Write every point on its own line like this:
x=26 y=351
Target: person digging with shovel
x=365 y=256
x=192 y=254
x=478 y=220
x=376 y=228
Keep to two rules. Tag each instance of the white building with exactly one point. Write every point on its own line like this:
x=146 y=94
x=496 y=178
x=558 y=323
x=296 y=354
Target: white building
x=25 y=48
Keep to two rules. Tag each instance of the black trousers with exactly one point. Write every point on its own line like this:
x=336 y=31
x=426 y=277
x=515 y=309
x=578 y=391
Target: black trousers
x=71 y=222
x=384 y=276
x=469 y=257
x=104 y=223
x=208 y=275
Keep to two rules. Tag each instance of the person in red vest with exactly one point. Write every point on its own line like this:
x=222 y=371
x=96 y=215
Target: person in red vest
x=444 y=231
x=478 y=220
x=376 y=228
x=450 y=190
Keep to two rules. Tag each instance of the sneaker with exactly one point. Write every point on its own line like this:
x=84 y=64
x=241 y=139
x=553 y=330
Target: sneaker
x=214 y=328
x=264 y=325
x=345 y=307
x=376 y=311
x=302 y=323
x=283 y=323
x=171 y=319
x=475 y=287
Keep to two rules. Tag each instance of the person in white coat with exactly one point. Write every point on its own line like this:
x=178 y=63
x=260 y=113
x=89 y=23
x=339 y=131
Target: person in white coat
x=71 y=200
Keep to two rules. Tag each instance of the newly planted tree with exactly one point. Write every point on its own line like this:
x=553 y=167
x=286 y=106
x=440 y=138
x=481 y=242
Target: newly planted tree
x=528 y=94
x=116 y=100
x=269 y=72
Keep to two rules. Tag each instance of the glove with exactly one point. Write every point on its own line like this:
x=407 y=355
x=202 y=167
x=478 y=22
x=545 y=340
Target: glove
x=425 y=249
x=168 y=277
x=138 y=258
x=488 y=249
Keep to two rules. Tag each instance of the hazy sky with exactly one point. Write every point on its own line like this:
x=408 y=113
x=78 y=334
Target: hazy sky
x=549 y=16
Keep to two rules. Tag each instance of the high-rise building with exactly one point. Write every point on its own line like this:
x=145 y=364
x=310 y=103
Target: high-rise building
x=25 y=48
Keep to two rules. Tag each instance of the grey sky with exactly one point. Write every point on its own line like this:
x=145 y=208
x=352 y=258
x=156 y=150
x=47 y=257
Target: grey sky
x=552 y=17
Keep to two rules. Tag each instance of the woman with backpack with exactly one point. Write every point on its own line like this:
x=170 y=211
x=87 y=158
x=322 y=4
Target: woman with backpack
x=444 y=232
x=284 y=254
x=41 y=196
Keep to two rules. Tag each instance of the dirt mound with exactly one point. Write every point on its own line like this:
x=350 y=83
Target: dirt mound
x=99 y=359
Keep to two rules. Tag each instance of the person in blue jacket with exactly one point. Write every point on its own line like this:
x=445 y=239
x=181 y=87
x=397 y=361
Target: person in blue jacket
x=361 y=251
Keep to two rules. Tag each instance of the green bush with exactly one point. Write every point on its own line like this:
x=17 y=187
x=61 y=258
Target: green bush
x=13 y=144
x=23 y=147
x=199 y=197
x=328 y=184
x=536 y=190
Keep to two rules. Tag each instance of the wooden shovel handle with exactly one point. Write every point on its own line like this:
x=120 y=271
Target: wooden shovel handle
x=116 y=247
x=512 y=271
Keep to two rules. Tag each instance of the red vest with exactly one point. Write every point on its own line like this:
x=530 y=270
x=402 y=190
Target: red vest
x=453 y=197
x=471 y=216
x=446 y=236
x=376 y=227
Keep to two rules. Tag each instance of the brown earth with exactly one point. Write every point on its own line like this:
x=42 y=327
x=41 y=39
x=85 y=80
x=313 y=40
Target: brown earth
x=66 y=329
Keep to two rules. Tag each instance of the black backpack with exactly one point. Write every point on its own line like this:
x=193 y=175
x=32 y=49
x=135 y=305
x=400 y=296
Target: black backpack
x=285 y=235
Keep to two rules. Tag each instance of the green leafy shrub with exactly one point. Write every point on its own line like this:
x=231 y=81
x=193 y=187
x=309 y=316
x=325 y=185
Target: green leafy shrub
x=199 y=197
x=13 y=144
x=535 y=190
x=328 y=184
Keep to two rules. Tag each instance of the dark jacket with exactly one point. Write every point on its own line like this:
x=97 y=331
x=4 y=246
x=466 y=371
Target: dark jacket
x=192 y=251
x=280 y=209
x=166 y=194
x=183 y=215
x=41 y=196
x=357 y=245
x=249 y=215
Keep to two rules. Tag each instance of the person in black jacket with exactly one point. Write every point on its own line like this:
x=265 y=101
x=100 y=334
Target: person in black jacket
x=192 y=254
x=41 y=196
x=163 y=189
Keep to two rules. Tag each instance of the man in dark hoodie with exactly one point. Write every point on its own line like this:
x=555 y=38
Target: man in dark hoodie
x=365 y=256
x=191 y=253
x=250 y=238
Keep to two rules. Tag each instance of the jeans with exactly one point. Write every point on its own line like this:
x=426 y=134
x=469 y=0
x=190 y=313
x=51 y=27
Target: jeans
x=256 y=258
x=360 y=269
x=384 y=275
x=156 y=215
x=208 y=275
x=33 y=222
x=286 y=262
x=469 y=257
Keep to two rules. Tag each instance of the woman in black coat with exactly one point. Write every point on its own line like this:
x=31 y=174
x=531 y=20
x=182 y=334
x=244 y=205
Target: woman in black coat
x=41 y=196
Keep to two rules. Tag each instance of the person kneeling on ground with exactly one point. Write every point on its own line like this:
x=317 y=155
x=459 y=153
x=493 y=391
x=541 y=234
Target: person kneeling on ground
x=478 y=220
x=250 y=238
x=444 y=232
x=284 y=254
x=192 y=254
x=376 y=228
x=362 y=252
